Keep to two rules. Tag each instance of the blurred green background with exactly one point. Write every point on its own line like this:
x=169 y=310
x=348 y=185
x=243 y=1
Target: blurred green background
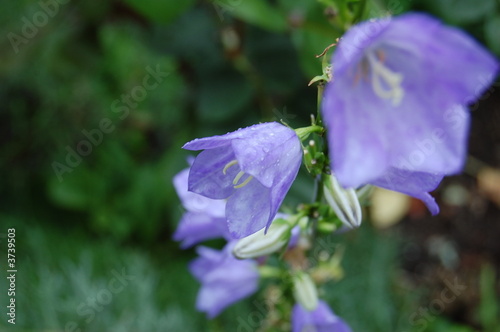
x=127 y=83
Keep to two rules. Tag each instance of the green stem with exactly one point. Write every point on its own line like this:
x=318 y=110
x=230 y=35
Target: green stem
x=304 y=132
x=321 y=88
x=319 y=180
x=361 y=10
x=318 y=193
x=267 y=271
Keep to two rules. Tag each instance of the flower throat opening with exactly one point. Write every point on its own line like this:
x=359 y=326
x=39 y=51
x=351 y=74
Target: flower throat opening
x=385 y=82
x=238 y=176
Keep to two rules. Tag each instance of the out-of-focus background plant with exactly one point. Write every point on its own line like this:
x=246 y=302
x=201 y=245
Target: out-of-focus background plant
x=97 y=99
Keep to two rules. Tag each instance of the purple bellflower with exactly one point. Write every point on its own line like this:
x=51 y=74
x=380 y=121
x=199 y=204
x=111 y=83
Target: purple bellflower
x=396 y=109
x=204 y=217
x=225 y=279
x=253 y=168
x=321 y=319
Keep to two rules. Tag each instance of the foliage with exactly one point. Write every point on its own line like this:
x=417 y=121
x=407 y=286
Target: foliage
x=229 y=64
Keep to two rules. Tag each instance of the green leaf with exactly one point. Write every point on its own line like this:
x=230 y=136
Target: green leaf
x=161 y=11
x=442 y=325
x=463 y=11
x=222 y=98
x=274 y=57
x=258 y=12
x=489 y=307
x=79 y=189
x=491 y=29
x=310 y=42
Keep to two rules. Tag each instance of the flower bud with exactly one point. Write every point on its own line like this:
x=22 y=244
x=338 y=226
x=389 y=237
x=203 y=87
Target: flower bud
x=261 y=243
x=344 y=202
x=304 y=291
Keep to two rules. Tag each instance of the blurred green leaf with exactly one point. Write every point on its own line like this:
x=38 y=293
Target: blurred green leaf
x=439 y=324
x=313 y=35
x=463 y=11
x=489 y=308
x=161 y=11
x=492 y=33
x=222 y=95
x=310 y=43
x=258 y=12
x=275 y=59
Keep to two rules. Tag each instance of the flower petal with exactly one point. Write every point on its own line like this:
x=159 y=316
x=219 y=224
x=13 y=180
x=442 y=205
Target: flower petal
x=451 y=58
x=416 y=184
x=248 y=209
x=354 y=43
x=357 y=137
x=195 y=227
x=208 y=260
x=206 y=176
x=224 y=140
x=322 y=319
x=270 y=152
x=228 y=284
x=224 y=278
x=195 y=202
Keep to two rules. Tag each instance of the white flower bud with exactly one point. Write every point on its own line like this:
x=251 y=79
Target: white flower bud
x=344 y=202
x=304 y=291
x=261 y=244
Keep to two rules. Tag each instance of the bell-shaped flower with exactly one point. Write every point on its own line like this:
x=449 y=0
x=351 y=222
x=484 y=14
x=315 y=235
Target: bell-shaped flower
x=204 y=217
x=395 y=110
x=321 y=319
x=224 y=279
x=253 y=168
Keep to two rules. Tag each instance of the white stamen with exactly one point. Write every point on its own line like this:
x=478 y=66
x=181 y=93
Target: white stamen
x=386 y=83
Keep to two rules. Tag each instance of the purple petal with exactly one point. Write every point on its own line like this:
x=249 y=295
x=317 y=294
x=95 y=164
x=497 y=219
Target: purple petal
x=206 y=176
x=322 y=319
x=208 y=260
x=248 y=209
x=415 y=184
x=208 y=143
x=455 y=63
x=196 y=227
x=224 y=279
x=354 y=43
x=357 y=144
x=269 y=152
x=194 y=202
x=224 y=140
x=226 y=285
x=294 y=237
